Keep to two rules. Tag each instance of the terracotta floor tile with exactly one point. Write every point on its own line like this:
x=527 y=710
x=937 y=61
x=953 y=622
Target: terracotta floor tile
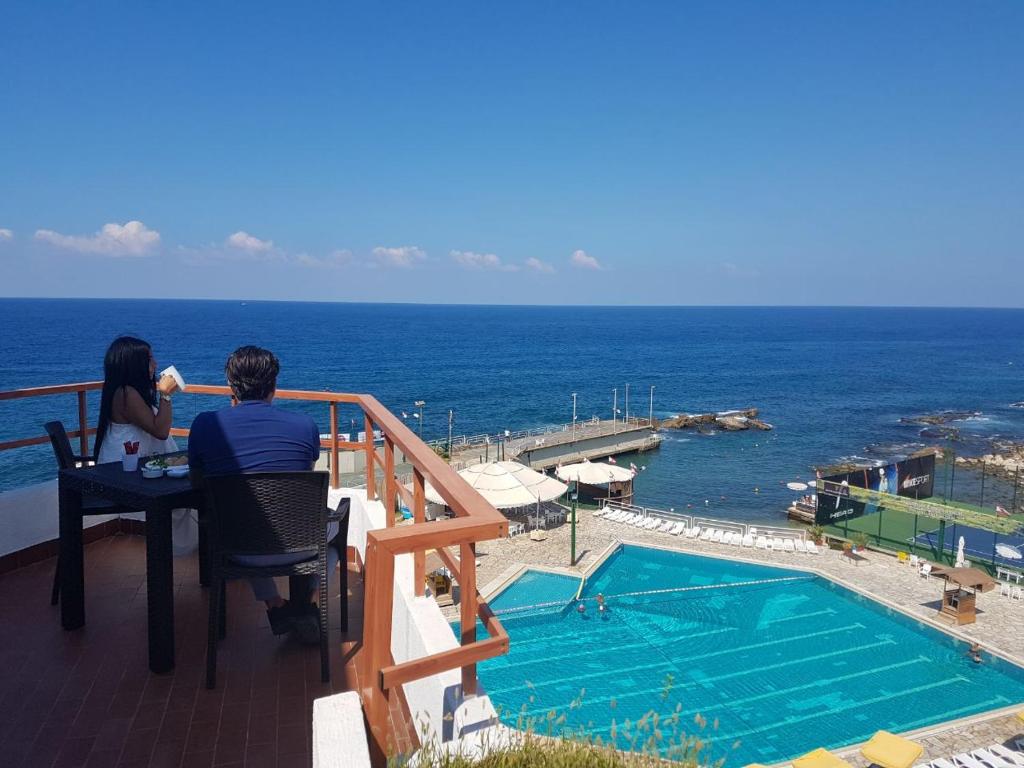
x=88 y=698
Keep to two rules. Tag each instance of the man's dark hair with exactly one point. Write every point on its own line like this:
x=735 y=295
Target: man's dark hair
x=252 y=373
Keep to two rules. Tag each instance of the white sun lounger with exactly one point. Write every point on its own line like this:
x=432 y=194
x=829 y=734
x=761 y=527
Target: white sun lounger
x=788 y=545
x=707 y=534
x=777 y=543
x=652 y=523
x=716 y=537
x=615 y=516
x=996 y=760
x=667 y=526
x=811 y=547
x=737 y=539
x=678 y=528
x=1007 y=754
x=727 y=537
x=625 y=517
x=642 y=521
x=762 y=542
x=799 y=544
x=693 y=532
x=968 y=761
x=748 y=540
x=941 y=762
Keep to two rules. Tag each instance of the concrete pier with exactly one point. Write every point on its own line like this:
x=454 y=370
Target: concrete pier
x=592 y=440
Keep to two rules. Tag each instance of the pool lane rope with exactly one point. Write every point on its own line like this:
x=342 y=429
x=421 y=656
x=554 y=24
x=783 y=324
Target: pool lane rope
x=641 y=593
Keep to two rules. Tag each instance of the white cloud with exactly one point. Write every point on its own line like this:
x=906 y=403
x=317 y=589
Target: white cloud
x=539 y=266
x=404 y=257
x=584 y=261
x=338 y=258
x=5 y=235
x=471 y=260
x=130 y=239
x=246 y=242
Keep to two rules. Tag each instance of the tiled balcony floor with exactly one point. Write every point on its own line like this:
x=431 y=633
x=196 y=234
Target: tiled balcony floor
x=88 y=698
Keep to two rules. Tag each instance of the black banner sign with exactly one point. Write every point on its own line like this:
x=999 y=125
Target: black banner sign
x=912 y=477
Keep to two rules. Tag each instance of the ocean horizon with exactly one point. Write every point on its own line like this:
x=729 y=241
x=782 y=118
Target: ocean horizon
x=833 y=381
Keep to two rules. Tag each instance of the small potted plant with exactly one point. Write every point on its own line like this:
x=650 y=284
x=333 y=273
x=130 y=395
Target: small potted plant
x=860 y=541
x=817 y=534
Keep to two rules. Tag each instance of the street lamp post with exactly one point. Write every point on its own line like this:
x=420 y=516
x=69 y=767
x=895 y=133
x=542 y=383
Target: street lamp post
x=419 y=404
x=575 y=496
x=451 y=420
x=626 y=406
x=574 y=416
x=650 y=413
x=615 y=406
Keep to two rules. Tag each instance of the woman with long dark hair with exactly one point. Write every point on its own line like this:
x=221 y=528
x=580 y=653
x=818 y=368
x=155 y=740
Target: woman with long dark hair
x=133 y=406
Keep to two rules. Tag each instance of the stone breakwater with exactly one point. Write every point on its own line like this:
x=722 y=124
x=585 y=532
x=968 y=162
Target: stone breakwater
x=1007 y=462
x=730 y=421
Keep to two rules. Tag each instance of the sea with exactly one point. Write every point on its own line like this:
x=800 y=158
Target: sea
x=834 y=382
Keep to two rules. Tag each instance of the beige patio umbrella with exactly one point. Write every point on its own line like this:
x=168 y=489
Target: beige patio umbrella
x=594 y=473
x=507 y=484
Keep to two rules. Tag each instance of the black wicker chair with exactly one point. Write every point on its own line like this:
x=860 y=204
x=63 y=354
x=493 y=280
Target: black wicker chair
x=66 y=459
x=267 y=513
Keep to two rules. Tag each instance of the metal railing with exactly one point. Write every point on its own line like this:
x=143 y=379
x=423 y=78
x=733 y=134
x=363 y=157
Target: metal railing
x=475 y=520
x=709 y=522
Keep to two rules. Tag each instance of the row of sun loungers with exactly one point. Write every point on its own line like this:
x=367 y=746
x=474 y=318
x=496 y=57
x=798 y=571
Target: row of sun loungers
x=995 y=756
x=742 y=538
x=892 y=751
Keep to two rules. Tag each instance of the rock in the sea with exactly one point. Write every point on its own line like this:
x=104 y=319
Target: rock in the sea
x=728 y=421
x=943 y=417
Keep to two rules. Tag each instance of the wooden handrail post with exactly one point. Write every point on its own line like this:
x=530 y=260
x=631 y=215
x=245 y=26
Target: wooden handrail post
x=467 y=617
x=371 y=480
x=419 y=512
x=335 y=471
x=83 y=423
x=390 y=491
x=376 y=650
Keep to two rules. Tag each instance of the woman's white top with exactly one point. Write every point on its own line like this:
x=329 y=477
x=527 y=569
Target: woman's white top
x=112 y=448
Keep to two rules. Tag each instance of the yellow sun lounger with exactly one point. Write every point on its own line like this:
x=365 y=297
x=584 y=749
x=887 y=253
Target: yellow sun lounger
x=820 y=758
x=891 y=751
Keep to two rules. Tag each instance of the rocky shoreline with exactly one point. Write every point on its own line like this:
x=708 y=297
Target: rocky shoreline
x=728 y=421
x=1006 y=462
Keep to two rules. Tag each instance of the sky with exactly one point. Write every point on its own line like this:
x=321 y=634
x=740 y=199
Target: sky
x=594 y=152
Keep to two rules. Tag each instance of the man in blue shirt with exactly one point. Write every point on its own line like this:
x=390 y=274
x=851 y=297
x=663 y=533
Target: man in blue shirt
x=254 y=436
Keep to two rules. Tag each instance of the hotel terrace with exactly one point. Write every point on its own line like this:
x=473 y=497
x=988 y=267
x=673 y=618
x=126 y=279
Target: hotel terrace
x=115 y=673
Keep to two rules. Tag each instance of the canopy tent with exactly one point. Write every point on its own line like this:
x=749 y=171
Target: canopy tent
x=969 y=578
x=507 y=484
x=594 y=473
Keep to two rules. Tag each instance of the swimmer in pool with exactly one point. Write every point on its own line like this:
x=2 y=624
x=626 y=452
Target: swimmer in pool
x=581 y=607
x=600 y=602
x=975 y=653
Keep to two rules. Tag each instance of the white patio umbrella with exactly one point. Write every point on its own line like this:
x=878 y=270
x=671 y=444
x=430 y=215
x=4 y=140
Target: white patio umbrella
x=1008 y=552
x=507 y=484
x=594 y=473
x=960 y=553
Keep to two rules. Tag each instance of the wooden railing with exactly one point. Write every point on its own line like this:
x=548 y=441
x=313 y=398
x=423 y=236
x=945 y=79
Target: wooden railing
x=475 y=520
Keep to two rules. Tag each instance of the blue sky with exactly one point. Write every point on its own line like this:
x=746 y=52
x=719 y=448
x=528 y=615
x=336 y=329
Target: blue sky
x=591 y=152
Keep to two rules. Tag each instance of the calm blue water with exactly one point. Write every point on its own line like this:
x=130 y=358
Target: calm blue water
x=834 y=382
x=783 y=667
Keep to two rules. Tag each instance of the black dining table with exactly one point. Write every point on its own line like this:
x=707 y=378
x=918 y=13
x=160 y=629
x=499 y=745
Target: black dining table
x=154 y=496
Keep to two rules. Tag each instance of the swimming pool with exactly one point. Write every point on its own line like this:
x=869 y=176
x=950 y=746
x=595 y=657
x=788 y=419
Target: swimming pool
x=784 y=661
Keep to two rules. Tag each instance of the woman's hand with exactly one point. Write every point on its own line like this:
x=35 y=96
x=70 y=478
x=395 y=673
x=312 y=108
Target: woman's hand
x=167 y=385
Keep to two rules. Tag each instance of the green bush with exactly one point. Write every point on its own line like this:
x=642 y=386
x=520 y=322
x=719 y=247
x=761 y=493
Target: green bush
x=547 y=742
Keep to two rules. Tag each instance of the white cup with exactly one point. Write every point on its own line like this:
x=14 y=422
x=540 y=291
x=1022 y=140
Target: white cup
x=130 y=462
x=171 y=371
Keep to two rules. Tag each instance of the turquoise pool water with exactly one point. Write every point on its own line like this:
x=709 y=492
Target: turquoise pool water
x=784 y=666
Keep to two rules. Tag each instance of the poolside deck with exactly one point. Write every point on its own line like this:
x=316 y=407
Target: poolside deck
x=1000 y=624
